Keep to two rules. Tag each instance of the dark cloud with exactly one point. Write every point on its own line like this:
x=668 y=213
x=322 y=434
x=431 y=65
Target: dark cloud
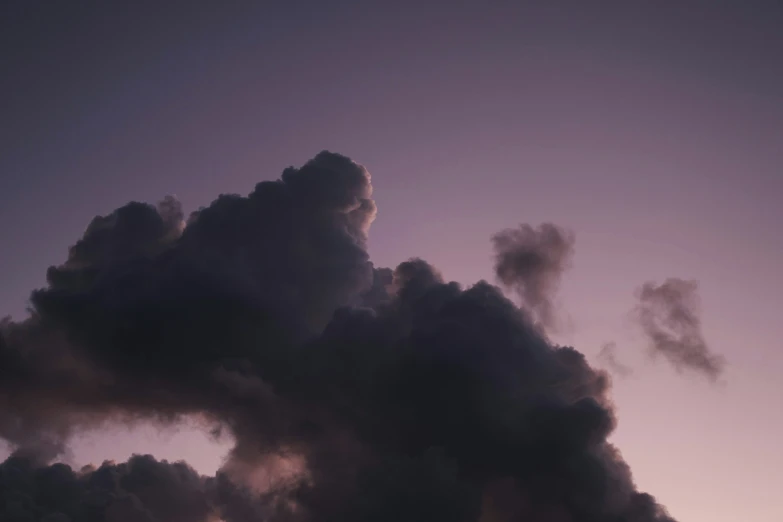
x=531 y=262
x=670 y=318
x=353 y=393
x=608 y=356
x=140 y=490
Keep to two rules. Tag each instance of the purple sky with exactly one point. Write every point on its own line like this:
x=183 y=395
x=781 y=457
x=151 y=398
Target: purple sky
x=654 y=130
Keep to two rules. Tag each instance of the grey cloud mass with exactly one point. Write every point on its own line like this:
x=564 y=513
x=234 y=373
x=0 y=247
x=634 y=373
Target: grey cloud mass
x=669 y=315
x=531 y=261
x=360 y=393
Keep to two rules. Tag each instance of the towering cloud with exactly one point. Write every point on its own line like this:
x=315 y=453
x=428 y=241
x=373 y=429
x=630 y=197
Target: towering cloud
x=531 y=261
x=669 y=316
x=353 y=393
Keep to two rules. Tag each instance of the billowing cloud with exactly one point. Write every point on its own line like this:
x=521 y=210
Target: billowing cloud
x=353 y=392
x=140 y=490
x=670 y=318
x=531 y=261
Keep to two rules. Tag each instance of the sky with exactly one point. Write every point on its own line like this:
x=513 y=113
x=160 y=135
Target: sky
x=652 y=130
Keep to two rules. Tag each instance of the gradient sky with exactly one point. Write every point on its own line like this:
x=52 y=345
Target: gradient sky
x=653 y=129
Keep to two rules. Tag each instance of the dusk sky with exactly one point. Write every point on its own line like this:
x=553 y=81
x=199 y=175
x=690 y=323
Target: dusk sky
x=651 y=129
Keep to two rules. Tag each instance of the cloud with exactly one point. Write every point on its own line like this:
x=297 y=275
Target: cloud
x=669 y=315
x=140 y=490
x=352 y=392
x=531 y=262
x=608 y=356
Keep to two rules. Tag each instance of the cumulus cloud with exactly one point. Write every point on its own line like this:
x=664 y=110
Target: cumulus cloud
x=531 y=262
x=353 y=392
x=140 y=490
x=669 y=315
